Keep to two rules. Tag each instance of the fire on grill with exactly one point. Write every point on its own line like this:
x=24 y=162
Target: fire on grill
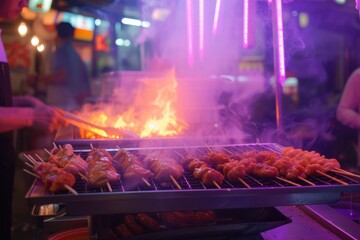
x=148 y=107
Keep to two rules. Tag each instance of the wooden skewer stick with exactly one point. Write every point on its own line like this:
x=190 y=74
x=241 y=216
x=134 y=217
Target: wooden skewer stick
x=332 y=178
x=342 y=170
x=175 y=182
x=227 y=150
x=345 y=173
x=40 y=158
x=288 y=181
x=31 y=173
x=33 y=159
x=146 y=182
x=207 y=146
x=180 y=155
x=217 y=185
x=109 y=186
x=70 y=189
x=56 y=147
x=47 y=151
x=245 y=183
x=29 y=159
x=307 y=181
x=83 y=176
x=91 y=146
x=31 y=166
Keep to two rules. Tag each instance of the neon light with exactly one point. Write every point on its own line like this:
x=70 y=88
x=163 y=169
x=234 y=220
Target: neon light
x=201 y=28
x=216 y=16
x=280 y=36
x=189 y=25
x=269 y=1
x=246 y=24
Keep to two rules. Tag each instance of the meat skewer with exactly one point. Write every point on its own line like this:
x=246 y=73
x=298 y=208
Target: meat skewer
x=66 y=159
x=164 y=168
x=101 y=172
x=54 y=178
x=132 y=168
x=203 y=172
x=232 y=169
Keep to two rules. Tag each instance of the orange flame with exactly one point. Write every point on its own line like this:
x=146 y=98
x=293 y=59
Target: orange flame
x=152 y=112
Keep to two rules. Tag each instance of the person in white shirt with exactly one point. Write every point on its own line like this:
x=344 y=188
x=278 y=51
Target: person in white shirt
x=348 y=110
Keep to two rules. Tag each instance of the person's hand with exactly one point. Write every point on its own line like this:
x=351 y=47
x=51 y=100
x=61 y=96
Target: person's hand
x=46 y=119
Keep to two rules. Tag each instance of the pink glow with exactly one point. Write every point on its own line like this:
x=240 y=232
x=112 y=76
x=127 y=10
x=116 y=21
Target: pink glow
x=201 y=28
x=216 y=16
x=280 y=50
x=246 y=24
x=269 y=1
x=189 y=25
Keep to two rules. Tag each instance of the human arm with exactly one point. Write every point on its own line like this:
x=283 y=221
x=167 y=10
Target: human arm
x=30 y=112
x=348 y=109
x=13 y=118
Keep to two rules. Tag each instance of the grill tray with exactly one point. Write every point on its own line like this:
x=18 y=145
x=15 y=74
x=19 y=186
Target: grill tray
x=193 y=195
x=228 y=224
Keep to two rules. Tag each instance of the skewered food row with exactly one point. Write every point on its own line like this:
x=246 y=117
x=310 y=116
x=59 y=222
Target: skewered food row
x=54 y=178
x=132 y=169
x=135 y=224
x=210 y=169
x=98 y=170
x=291 y=163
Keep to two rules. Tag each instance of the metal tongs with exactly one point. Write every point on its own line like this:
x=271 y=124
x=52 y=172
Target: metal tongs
x=108 y=132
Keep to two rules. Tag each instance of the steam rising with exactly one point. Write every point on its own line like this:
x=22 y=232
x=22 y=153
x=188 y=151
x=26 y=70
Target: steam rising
x=228 y=91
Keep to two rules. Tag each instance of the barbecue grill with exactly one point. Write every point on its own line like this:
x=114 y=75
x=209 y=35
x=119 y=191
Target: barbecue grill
x=159 y=196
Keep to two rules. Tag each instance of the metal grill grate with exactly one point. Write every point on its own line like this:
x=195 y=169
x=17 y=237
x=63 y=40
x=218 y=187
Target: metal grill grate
x=194 y=195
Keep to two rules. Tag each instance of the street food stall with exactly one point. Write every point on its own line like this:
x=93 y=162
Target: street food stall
x=165 y=148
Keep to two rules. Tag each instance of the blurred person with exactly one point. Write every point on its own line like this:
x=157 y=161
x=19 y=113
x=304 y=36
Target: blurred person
x=16 y=113
x=348 y=110
x=69 y=83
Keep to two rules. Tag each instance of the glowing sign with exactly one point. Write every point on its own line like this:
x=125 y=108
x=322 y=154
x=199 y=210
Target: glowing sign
x=41 y=6
x=189 y=27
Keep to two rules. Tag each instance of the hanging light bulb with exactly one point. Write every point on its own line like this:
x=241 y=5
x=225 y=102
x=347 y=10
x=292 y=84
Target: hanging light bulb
x=22 y=29
x=35 y=41
x=40 y=48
